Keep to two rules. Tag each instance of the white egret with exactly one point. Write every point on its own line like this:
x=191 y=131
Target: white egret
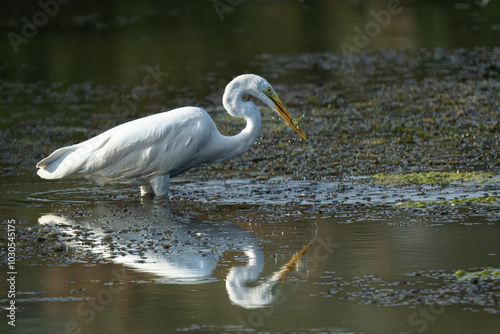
x=148 y=151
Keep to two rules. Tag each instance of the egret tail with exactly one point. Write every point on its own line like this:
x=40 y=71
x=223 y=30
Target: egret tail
x=63 y=162
x=70 y=159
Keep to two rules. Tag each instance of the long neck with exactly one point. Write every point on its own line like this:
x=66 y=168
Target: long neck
x=228 y=147
x=246 y=138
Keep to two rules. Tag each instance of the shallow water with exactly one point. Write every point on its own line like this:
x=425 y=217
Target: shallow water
x=221 y=254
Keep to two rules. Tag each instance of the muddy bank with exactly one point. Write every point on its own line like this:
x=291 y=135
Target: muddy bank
x=385 y=111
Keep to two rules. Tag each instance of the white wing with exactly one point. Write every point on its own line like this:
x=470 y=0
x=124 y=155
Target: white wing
x=134 y=152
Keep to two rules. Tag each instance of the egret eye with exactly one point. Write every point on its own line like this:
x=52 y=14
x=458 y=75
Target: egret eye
x=269 y=90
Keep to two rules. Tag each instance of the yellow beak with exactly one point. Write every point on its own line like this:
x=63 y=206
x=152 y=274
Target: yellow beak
x=287 y=117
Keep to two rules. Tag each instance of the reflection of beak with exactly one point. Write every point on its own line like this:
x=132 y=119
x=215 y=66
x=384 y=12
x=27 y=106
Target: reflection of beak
x=285 y=270
x=287 y=117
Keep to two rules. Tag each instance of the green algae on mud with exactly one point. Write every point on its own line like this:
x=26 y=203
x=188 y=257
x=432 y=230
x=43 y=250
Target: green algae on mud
x=492 y=274
x=454 y=202
x=436 y=177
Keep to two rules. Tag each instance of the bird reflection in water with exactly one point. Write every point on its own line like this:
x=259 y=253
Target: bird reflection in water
x=177 y=250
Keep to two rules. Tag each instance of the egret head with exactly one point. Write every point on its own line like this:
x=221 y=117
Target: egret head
x=274 y=102
x=258 y=87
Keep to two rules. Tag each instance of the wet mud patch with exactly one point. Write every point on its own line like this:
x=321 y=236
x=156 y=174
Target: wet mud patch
x=435 y=288
x=370 y=116
x=81 y=224
x=40 y=245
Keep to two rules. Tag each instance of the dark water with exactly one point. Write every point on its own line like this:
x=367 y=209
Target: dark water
x=94 y=259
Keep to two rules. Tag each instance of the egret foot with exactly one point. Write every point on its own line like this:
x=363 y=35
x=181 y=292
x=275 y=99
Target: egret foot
x=160 y=185
x=147 y=190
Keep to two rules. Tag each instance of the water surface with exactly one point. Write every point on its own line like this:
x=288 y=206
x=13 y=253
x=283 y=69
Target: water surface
x=221 y=254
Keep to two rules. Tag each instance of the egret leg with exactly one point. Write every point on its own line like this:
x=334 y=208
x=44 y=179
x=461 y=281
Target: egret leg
x=161 y=184
x=146 y=190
